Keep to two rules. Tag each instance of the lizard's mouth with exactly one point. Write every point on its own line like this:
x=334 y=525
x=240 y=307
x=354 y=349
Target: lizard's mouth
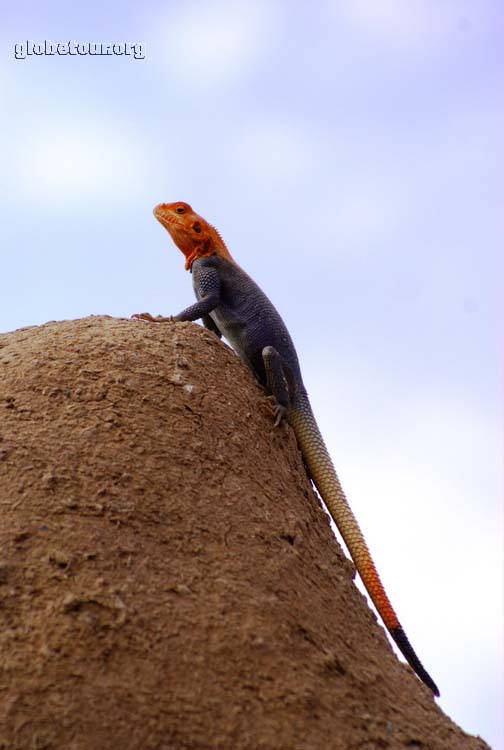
x=162 y=217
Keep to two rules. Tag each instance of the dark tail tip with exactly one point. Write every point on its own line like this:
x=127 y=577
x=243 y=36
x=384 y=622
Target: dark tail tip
x=406 y=648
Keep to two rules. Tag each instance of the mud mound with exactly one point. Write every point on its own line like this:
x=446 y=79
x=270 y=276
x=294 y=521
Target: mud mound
x=168 y=578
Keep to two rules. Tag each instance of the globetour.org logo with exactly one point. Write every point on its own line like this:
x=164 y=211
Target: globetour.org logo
x=22 y=50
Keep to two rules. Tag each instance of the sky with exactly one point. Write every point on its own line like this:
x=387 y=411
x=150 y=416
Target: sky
x=350 y=153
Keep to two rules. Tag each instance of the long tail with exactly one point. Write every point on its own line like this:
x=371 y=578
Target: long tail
x=326 y=480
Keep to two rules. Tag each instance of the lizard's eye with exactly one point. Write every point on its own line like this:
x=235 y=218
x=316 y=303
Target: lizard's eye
x=196 y=226
x=180 y=210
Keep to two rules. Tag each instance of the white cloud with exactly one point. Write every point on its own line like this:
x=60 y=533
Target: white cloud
x=213 y=44
x=69 y=159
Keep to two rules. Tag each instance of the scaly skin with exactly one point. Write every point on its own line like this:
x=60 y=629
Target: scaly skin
x=231 y=304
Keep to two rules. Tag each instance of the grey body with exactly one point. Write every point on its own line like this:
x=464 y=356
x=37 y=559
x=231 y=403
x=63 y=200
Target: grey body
x=232 y=305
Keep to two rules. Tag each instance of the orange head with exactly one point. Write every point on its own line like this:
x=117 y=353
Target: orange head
x=194 y=236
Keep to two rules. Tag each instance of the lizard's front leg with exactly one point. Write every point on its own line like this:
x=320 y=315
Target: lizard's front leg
x=209 y=298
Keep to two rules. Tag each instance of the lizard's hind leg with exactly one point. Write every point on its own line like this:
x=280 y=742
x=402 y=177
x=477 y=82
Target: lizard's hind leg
x=276 y=382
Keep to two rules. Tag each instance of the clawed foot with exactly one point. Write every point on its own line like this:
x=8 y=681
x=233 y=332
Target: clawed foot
x=150 y=319
x=279 y=411
x=144 y=316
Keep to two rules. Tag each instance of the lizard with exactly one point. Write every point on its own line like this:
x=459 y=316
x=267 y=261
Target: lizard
x=232 y=305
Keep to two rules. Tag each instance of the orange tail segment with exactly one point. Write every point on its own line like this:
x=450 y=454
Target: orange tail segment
x=327 y=483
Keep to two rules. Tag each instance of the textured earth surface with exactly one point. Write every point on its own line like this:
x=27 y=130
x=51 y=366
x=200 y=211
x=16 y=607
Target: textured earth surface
x=168 y=578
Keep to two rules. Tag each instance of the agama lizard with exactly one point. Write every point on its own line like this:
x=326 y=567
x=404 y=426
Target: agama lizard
x=231 y=304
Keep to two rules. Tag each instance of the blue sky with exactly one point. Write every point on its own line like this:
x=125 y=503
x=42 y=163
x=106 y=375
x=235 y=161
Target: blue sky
x=350 y=153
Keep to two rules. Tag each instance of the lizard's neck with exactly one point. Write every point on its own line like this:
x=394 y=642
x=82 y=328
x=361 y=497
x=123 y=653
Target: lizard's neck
x=211 y=244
